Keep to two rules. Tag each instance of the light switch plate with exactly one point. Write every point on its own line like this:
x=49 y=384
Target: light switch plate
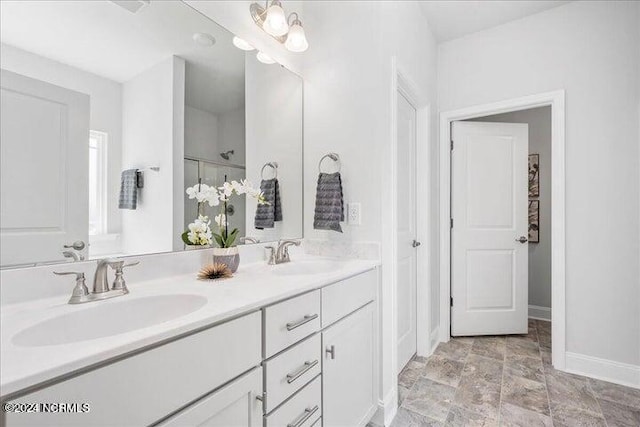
x=353 y=213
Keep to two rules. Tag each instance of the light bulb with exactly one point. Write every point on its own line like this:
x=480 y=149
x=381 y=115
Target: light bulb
x=264 y=58
x=296 y=40
x=276 y=22
x=241 y=44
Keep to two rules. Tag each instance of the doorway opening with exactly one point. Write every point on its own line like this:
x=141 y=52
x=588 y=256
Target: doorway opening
x=537 y=284
x=555 y=228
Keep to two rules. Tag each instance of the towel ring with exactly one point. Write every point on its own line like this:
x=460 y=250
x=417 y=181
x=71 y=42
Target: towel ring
x=333 y=156
x=272 y=165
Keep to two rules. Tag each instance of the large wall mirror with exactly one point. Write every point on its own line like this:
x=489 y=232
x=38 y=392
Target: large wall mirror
x=111 y=110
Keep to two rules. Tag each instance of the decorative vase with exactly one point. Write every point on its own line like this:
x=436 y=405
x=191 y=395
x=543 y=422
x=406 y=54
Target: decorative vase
x=228 y=256
x=195 y=247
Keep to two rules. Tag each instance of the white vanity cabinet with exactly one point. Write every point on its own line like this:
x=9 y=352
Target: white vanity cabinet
x=144 y=388
x=327 y=365
x=348 y=370
x=309 y=360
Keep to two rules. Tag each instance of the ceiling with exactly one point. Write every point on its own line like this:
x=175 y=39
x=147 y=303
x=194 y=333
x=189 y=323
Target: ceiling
x=452 y=19
x=110 y=41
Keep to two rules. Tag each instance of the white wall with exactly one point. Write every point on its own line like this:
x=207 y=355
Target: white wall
x=274 y=134
x=153 y=130
x=201 y=134
x=590 y=49
x=539 y=121
x=347 y=109
x=105 y=103
x=231 y=135
x=207 y=135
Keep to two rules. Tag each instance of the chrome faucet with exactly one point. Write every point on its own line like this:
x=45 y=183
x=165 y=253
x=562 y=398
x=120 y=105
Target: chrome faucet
x=101 y=289
x=248 y=239
x=280 y=254
x=100 y=281
x=73 y=254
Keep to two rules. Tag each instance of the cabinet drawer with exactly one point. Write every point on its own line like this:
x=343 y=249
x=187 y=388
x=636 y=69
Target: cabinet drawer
x=225 y=407
x=347 y=296
x=289 y=371
x=302 y=410
x=289 y=321
x=146 y=387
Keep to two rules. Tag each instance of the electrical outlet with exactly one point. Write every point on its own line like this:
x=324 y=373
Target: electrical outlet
x=353 y=213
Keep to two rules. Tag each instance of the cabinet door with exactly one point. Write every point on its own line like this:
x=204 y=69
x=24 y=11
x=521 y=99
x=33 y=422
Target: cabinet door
x=234 y=405
x=348 y=370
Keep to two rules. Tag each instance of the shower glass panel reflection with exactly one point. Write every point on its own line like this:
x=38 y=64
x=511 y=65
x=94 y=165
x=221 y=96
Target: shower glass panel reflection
x=214 y=174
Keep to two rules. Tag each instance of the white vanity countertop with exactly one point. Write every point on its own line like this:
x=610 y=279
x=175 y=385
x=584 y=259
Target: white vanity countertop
x=253 y=286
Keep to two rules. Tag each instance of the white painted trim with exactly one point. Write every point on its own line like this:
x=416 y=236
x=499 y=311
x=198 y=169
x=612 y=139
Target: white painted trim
x=387 y=409
x=603 y=369
x=434 y=340
x=556 y=101
x=407 y=87
x=540 y=313
x=401 y=81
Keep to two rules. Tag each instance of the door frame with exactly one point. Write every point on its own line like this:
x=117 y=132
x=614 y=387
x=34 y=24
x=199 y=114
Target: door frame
x=556 y=100
x=401 y=81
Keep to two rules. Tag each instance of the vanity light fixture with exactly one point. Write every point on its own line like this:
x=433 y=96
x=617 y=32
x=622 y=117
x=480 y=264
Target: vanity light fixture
x=264 y=58
x=275 y=23
x=296 y=40
x=242 y=44
x=273 y=20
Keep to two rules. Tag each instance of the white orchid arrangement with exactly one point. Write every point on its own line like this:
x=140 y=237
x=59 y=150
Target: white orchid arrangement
x=218 y=196
x=199 y=232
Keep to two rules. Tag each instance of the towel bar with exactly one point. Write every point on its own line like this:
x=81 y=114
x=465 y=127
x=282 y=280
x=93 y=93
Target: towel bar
x=272 y=165
x=333 y=156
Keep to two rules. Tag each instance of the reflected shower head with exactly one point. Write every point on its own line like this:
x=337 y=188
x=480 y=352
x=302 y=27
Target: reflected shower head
x=227 y=155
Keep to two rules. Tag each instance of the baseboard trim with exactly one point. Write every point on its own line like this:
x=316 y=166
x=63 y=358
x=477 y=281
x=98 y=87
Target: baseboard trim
x=540 y=313
x=603 y=369
x=390 y=406
x=434 y=340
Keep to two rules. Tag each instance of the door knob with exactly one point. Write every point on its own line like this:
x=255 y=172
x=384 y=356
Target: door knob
x=415 y=244
x=522 y=239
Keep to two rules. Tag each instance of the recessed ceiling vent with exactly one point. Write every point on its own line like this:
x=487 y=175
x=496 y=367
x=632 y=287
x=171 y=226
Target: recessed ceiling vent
x=132 y=6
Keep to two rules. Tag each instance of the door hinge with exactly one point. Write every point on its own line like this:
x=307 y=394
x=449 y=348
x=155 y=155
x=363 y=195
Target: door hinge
x=452 y=145
x=451 y=222
x=451 y=301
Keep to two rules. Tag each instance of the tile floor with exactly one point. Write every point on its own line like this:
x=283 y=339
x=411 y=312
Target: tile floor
x=507 y=381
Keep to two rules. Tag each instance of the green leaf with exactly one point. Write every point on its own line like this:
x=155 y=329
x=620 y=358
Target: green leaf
x=185 y=239
x=219 y=240
x=232 y=238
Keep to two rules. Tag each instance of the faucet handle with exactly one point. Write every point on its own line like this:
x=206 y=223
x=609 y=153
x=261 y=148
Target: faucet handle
x=80 y=291
x=119 y=284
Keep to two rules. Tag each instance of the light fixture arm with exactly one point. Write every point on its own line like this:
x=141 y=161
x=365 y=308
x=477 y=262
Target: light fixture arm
x=295 y=21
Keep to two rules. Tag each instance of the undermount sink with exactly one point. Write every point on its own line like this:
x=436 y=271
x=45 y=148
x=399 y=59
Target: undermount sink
x=108 y=319
x=299 y=268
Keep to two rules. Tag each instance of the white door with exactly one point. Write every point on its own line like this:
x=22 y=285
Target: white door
x=45 y=146
x=348 y=370
x=406 y=231
x=489 y=182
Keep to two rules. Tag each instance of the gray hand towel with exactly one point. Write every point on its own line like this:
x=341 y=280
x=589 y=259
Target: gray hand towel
x=266 y=215
x=128 y=189
x=329 y=203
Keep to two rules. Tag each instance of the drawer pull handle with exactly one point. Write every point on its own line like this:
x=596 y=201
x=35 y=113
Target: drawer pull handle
x=300 y=372
x=331 y=350
x=304 y=417
x=307 y=318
